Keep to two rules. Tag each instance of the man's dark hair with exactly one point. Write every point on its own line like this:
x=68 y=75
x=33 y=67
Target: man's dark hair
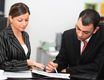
x=90 y=16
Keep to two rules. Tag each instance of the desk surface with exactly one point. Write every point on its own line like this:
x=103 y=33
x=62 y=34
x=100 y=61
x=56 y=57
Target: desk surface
x=43 y=79
x=40 y=77
x=34 y=79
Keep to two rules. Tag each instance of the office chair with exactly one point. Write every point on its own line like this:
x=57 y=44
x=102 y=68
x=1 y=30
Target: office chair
x=3 y=23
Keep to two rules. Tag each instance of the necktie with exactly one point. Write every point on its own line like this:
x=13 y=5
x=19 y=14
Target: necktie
x=84 y=46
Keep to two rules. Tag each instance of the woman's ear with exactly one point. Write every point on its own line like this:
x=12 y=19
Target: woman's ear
x=10 y=19
x=96 y=29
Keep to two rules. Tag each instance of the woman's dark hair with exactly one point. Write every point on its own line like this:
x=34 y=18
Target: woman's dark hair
x=18 y=9
x=90 y=16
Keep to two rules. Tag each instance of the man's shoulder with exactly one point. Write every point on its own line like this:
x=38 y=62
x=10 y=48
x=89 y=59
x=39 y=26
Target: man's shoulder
x=70 y=31
x=102 y=30
x=100 y=34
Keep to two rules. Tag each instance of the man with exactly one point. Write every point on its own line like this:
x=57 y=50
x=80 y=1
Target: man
x=72 y=56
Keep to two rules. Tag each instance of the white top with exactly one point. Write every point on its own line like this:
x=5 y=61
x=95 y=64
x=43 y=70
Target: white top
x=25 y=48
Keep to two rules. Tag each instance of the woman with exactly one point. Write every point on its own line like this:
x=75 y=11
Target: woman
x=14 y=41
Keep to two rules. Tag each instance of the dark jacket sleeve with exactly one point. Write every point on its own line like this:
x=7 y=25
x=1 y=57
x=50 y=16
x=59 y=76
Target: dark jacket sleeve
x=61 y=58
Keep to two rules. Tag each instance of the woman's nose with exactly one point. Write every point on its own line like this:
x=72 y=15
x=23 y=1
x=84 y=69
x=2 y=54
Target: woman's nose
x=24 y=23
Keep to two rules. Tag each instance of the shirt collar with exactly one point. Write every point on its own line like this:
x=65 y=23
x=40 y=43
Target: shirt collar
x=88 y=39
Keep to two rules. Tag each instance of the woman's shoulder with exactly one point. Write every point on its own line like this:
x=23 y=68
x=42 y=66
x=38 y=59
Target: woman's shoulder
x=5 y=32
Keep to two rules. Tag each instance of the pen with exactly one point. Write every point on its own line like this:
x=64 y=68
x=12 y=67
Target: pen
x=44 y=68
x=56 y=70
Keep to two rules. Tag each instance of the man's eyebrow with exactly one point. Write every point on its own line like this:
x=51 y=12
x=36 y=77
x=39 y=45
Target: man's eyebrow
x=83 y=31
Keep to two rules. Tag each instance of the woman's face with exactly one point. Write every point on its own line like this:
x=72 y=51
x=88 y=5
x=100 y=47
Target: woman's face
x=19 y=23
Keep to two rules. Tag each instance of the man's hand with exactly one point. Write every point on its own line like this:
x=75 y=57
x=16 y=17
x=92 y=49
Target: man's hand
x=51 y=67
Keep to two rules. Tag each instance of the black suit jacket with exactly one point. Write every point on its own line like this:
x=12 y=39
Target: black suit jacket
x=69 y=54
x=12 y=55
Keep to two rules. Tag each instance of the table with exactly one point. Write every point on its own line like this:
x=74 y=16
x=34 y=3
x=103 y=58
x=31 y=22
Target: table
x=38 y=77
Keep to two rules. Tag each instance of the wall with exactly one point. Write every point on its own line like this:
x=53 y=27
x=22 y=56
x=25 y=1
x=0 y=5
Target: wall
x=49 y=17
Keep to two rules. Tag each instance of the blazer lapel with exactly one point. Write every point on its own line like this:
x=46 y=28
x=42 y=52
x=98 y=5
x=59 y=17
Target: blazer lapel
x=76 y=48
x=26 y=40
x=13 y=40
x=90 y=47
x=76 y=43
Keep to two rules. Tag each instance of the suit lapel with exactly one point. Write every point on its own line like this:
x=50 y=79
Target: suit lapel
x=76 y=48
x=17 y=45
x=26 y=40
x=76 y=43
x=13 y=40
x=90 y=46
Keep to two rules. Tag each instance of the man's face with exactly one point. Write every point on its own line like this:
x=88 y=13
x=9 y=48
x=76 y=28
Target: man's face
x=83 y=32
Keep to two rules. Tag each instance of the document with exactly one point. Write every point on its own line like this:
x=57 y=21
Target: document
x=53 y=75
x=19 y=74
x=2 y=76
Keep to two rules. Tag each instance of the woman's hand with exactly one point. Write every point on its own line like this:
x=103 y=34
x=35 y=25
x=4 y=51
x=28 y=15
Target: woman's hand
x=34 y=64
x=39 y=65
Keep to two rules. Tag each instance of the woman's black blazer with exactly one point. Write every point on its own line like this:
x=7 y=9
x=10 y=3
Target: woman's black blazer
x=12 y=55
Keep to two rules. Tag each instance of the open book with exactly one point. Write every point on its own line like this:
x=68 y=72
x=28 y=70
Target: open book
x=53 y=75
